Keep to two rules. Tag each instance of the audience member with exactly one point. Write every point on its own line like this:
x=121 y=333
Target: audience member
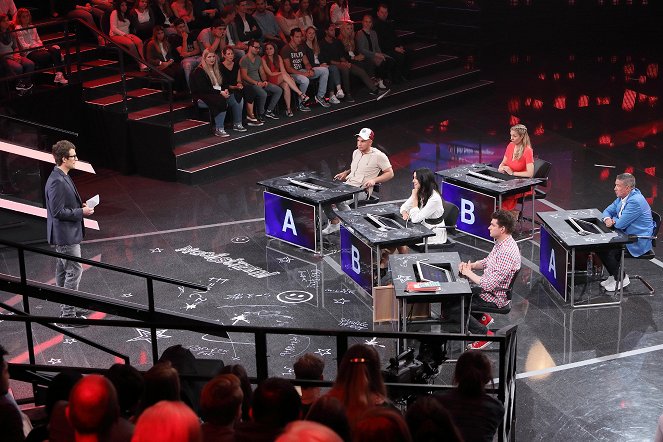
x=312 y=51
x=221 y=408
x=339 y=11
x=186 y=47
x=476 y=414
x=120 y=32
x=8 y=8
x=129 y=385
x=159 y=53
x=298 y=66
x=347 y=37
x=214 y=38
x=369 y=47
x=381 y=424
x=14 y=62
x=276 y=74
x=42 y=56
x=11 y=421
x=257 y=88
x=369 y=167
x=205 y=11
x=205 y=84
x=162 y=383
x=168 y=421
x=94 y=412
x=429 y=421
x=275 y=404
x=333 y=53
x=309 y=367
x=267 y=22
x=142 y=21
x=359 y=384
x=247 y=26
x=304 y=17
x=306 y=431
x=231 y=80
x=390 y=44
x=184 y=9
x=321 y=18
x=232 y=37
x=658 y=436
x=287 y=20
x=87 y=13
x=239 y=371
x=163 y=15
x=330 y=412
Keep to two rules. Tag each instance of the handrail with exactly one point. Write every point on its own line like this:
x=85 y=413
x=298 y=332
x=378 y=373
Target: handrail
x=39 y=125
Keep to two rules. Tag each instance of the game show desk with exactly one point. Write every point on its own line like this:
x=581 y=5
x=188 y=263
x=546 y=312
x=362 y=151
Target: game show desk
x=370 y=229
x=566 y=232
x=293 y=206
x=478 y=191
x=418 y=266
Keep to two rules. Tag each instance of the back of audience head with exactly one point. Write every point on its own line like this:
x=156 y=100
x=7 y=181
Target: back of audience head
x=473 y=371
x=309 y=367
x=4 y=372
x=330 y=412
x=381 y=424
x=429 y=421
x=221 y=400
x=244 y=382
x=93 y=406
x=359 y=382
x=130 y=386
x=307 y=431
x=168 y=421
x=162 y=383
x=276 y=403
x=60 y=388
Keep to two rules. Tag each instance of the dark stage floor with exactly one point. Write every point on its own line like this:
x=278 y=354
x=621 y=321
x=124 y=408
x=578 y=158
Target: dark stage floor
x=588 y=374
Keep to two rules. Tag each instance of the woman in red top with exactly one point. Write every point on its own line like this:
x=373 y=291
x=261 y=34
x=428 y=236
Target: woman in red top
x=518 y=161
x=276 y=73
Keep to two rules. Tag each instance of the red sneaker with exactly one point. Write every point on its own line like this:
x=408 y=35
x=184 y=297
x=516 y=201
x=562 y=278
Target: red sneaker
x=479 y=345
x=486 y=320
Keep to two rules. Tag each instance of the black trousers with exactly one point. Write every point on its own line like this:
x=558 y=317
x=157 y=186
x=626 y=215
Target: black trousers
x=452 y=310
x=611 y=259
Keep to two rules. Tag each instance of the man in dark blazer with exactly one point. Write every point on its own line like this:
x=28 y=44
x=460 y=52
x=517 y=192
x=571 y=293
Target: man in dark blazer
x=64 y=219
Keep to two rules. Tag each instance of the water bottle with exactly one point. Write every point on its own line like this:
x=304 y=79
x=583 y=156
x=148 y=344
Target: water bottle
x=590 y=266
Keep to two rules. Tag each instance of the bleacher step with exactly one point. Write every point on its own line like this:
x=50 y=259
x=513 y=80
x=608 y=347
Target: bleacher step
x=156 y=111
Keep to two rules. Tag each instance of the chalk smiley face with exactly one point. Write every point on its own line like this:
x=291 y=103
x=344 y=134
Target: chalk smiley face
x=294 y=296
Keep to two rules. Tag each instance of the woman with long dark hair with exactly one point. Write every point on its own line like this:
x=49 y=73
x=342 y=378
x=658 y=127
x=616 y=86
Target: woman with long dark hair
x=121 y=34
x=159 y=53
x=425 y=205
x=276 y=74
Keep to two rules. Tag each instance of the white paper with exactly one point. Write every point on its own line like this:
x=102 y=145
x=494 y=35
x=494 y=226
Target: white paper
x=93 y=202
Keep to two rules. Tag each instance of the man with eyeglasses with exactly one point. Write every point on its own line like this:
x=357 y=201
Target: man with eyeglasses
x=256 y=87
x=64 y=221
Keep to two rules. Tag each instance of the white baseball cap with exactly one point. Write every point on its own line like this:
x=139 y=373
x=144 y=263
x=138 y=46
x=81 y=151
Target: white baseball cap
x=366 y=134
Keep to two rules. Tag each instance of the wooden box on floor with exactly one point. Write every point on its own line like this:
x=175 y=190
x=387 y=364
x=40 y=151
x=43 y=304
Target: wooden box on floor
x=385 y=305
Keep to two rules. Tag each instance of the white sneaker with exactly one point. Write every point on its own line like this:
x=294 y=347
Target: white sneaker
x=59 y=78
x=331 y=228
x=380 y=84
x=340 y=93
x=612 y=287
x=607 y=282
x=333 y=99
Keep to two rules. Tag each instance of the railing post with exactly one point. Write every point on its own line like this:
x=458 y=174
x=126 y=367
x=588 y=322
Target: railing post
x=153 y=330
x=26 y=305
x=120 y=58
x=261 y=356
x=341 y=348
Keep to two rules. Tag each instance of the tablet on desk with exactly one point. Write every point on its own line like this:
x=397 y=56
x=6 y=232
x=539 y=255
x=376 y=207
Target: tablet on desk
x=427 y=272
x=384 y=222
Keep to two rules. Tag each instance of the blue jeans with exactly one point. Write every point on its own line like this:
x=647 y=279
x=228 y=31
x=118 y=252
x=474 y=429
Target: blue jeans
x=219 y=119
x=334 y=77
x=260 y=96
x=68 y=273
x=303 y=81
x=189 y=64
x=236 y=108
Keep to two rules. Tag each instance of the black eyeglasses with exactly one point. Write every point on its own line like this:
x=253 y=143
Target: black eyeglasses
x=256 y=47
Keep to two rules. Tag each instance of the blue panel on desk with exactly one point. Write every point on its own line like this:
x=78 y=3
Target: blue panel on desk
x=553 y=262
x=357 y=260
x=475 y=211
x=290 y=221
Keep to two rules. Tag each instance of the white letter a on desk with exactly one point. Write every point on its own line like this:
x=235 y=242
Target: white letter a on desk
x=289 y=223
x=466 y=211
x=551 y=264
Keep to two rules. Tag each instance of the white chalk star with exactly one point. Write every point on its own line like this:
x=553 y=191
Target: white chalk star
x=190 y=306
x=284 y=260
x=288 y=371
x=239 y=318
x=157 y=250
x=69 y=341
x=324 y=351
x=126 y=295
x=403 y=278
x=340 y=301
x=54 y=361
x=144 y=335
x=373 y=342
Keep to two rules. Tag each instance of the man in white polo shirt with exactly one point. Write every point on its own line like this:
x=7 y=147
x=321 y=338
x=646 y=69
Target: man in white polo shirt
x=369 y=167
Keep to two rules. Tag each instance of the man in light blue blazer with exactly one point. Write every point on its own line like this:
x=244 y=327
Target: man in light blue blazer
x=64 y=219
x=631 y=214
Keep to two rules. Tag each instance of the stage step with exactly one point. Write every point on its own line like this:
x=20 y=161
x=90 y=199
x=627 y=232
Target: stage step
x=159 y=111
x=432 y=64
x=107 y=101
x=186 y=129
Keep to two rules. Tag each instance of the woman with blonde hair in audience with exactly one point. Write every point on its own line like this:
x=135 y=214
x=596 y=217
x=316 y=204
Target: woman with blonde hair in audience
x=276 y=74
x=205 y=82
x=168 y=421
x=231 y=80
x=347 y=37
x=286 y=19
x=28 y=38
x=121 y=35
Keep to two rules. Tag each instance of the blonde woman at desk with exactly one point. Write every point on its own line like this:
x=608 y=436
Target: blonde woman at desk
x=518 y=161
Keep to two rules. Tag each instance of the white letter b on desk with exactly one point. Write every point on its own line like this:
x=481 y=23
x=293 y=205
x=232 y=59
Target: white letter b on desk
x=355 y=260
x=289 y=223
x=466 y=211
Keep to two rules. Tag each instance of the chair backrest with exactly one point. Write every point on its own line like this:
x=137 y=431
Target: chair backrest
x=512 y=283
x=657 y=224
x=542 y=170
x=450 y=215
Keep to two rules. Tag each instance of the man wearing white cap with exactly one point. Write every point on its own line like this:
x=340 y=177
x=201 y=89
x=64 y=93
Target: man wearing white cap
x=369 y=167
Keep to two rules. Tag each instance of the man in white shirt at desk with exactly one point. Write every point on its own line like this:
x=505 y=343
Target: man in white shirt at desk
x=369 y=167
x=631 y=214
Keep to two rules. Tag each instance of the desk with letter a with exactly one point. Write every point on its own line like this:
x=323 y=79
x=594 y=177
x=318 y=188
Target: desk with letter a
x=478 y=190
x=293 y=207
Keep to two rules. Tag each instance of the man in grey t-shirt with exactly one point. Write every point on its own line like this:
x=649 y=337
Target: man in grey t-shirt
x=256 y=87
